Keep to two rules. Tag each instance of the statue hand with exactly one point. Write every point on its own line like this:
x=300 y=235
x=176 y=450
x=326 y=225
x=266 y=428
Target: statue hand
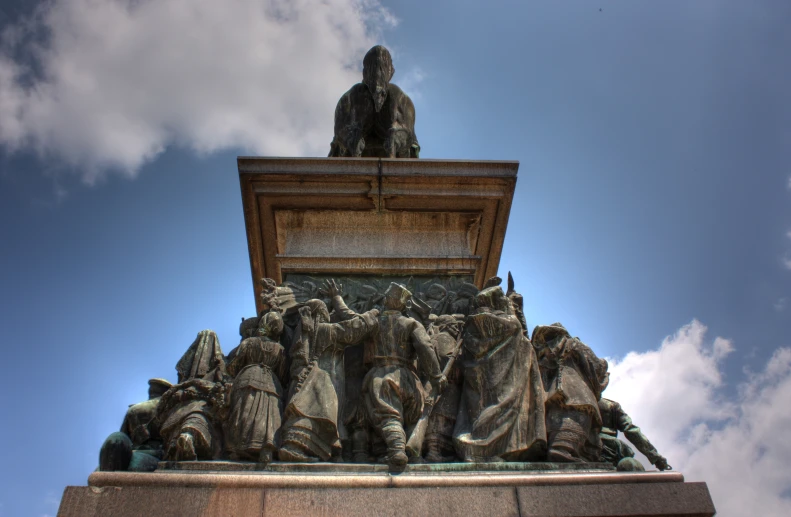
x=661 y=464
x=375 y=312
x=358 y=148
x=332 y=288
x=439 y=384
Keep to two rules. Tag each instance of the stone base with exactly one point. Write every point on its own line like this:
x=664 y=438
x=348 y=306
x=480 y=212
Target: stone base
x=472 y=494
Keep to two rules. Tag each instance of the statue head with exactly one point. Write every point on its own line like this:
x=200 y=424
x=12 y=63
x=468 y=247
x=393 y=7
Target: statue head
x=318 y=311
x=248 y=327
x=396 y=297
x=545 y=334
x=377 y=72
x=467 y=290
x=493 y=299
x=271 y=325
x=156 y=387
x=436 y=292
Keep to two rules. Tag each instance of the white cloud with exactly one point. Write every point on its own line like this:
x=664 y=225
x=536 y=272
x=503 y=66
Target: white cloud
x=786 y=262
x=780 y=304
x=123 y=80
x=739 y=446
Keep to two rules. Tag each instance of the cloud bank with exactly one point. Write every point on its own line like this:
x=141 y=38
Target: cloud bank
x=739 y=446
x=110 y=84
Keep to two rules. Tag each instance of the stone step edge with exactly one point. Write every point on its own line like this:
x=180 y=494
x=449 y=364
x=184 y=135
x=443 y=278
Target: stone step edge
x=371 y=480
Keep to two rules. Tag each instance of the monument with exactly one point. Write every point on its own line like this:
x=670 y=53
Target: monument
x=387 y=370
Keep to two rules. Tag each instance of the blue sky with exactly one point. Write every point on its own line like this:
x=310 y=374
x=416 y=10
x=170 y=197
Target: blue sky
x=653 y=199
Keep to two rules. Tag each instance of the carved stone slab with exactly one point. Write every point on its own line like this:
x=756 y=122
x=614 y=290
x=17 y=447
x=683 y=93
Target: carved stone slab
x=372 y=216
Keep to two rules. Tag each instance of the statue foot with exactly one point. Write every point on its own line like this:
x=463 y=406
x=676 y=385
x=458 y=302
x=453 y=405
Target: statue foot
x=397 y=460
x=265 y=457
x=630 y=465
x=185 y=448
x=434 y=457
x=292 y=456
x=561 y=456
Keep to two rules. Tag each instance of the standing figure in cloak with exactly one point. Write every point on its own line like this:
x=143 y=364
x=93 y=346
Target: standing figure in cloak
x=392 y=392
x=313 y=426
x=252 y=428
x=375 y=118
x=572 y=376
x=192 y=410
x=445 y=333
x=501 y=413
x=615 y=451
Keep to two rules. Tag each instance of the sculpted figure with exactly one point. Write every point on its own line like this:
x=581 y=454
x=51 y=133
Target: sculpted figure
x=138 y=446
x=615 y=451
x=192 y=411
x=437 y=299
x=375 y=118
x=391 y=389
x=203 y=359
x=252 y=428
x=501 y=413
x=462 y=301
x=445 y=333
x=572 y=376
x=312 y=430
x=138 y=423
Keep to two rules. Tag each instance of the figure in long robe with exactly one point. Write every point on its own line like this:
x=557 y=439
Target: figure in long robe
x=191 y=411
x=313 y=429
x=253 y=426
x=375 y=118
x=501 y=414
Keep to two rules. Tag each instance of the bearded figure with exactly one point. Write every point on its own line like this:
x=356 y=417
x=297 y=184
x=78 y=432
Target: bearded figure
x=375 y=118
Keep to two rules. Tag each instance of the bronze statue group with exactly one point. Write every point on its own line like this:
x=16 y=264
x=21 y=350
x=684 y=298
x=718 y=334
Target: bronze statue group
x=398 y=378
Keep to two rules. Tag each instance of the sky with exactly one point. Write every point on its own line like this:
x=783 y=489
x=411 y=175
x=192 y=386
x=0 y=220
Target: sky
x=652 y=213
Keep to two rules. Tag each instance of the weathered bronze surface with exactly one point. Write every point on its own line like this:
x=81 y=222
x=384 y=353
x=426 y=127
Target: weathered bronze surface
x=359 y=369
x=375 y=118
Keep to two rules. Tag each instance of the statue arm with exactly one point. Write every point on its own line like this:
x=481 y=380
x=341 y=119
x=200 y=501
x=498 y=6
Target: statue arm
x=339 y=306
x=353 y=331
x=427 y=357
x=348 y=130
x=637 y=438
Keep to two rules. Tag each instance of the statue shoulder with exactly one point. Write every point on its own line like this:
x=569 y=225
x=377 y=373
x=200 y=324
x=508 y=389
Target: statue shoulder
x=398 y=95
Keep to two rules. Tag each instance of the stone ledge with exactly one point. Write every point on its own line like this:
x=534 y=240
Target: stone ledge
x=583 y=500
x=372 y=480
x=370 y=468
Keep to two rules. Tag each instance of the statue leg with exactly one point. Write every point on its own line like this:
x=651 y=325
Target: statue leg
x=566 y=433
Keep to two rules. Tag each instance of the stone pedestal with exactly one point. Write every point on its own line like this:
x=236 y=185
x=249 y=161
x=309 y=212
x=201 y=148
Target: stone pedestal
x=375 y=216
x=369 y=221
x=488 y=494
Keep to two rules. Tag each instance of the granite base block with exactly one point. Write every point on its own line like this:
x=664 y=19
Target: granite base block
x=493 y=494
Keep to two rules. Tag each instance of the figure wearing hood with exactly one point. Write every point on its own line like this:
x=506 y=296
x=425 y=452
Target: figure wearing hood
x=375 y=118
x=192 y=410
x=572 y=376
x=501 y=414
